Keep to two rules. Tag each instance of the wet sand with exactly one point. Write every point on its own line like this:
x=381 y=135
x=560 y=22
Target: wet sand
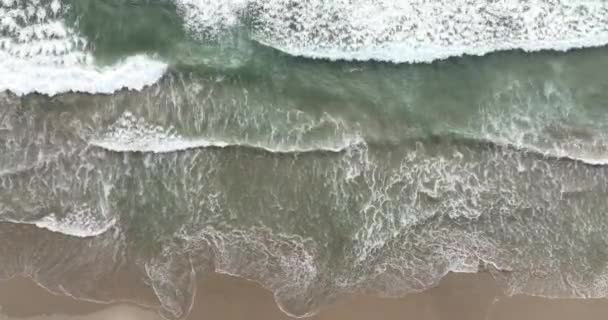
x=458 y=297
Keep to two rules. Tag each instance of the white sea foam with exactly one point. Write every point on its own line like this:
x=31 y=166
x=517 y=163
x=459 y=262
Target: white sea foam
x=39 y=53
x=76 y=225
x=132 y=134
x=292 y=257
x=406 y=31
x=21 y=76
x=82 y=220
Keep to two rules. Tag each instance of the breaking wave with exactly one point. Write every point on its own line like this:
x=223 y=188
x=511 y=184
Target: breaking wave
x=75 y=225
x=40 y=53
x=398 y=31
x=130 y=134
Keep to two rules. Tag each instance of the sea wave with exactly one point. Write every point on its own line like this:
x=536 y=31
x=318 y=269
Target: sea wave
x=585 y=156
x=398 y=31
x=82 y=220
x=130 y=134
x=168 y=144
x=592 y=155
x=40 y=53
x=74 y=225
x=22 y=76
x=405 y=53
x=175 y=144
x=82 y=228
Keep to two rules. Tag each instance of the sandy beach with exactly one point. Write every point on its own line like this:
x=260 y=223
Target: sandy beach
x=458 y=297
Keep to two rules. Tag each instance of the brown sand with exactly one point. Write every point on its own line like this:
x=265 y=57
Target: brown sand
x=458 y=297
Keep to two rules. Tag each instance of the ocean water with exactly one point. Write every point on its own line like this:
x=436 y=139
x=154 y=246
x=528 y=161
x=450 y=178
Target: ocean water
x=321 y=148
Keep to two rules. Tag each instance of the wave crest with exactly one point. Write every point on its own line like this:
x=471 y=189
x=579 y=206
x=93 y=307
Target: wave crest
x=130 y=134
x=40 y=53
x=79 y=224
x=404 y=31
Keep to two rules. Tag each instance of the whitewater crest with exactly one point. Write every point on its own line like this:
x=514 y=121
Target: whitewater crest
x=81 y=224
x=76 y=225
x=40 y=53
x=405 y=31
x=133 y=134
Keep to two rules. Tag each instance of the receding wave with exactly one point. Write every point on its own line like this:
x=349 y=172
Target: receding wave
x=410 y=31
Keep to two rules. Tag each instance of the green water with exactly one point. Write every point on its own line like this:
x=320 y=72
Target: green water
x=316 y=178
x=117 y=28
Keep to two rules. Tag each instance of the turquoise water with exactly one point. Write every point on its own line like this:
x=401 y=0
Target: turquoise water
x=237 y=151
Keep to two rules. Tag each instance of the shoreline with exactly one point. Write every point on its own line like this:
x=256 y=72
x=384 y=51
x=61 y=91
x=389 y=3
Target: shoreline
x=459 y=296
